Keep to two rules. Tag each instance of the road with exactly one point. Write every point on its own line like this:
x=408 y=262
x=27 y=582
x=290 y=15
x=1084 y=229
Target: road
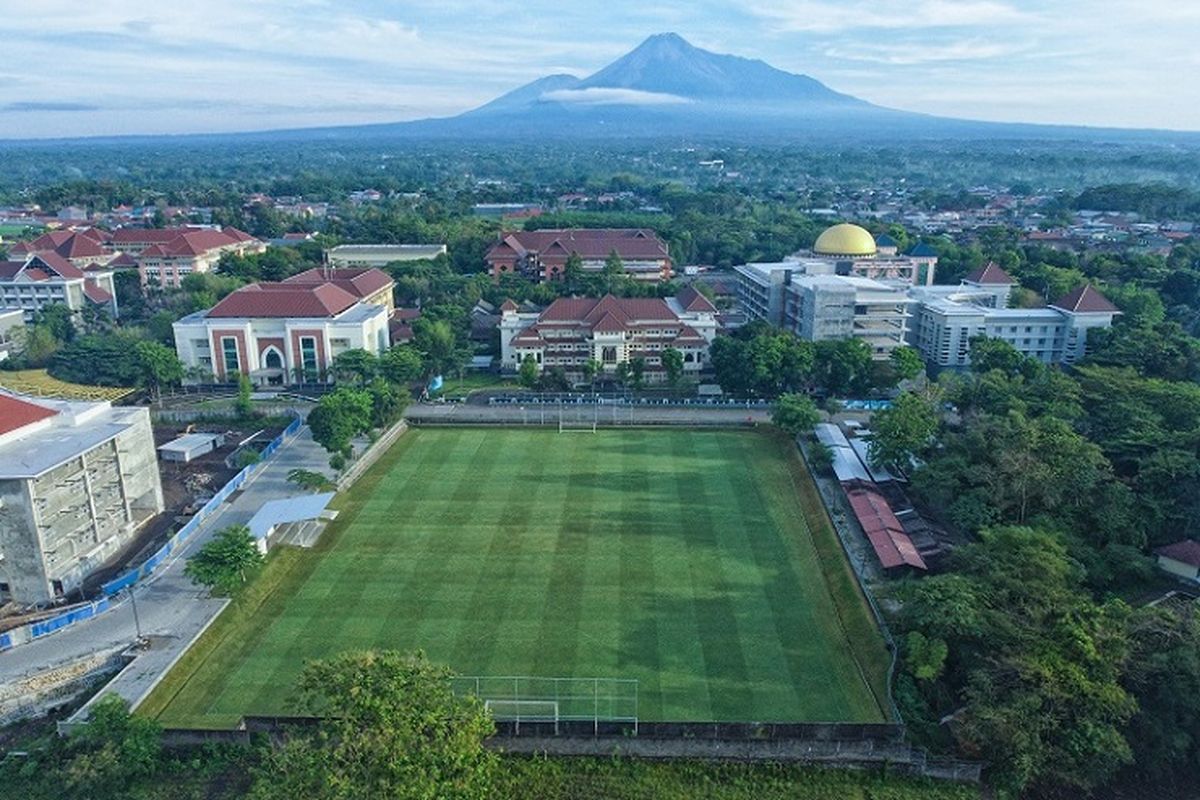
x=171 y=609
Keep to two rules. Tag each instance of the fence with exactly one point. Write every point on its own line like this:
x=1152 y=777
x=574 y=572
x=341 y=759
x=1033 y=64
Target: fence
x=577 y=398
x=27 y=633
x=524 y=699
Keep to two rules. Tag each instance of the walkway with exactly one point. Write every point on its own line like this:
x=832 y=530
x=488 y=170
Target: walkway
x=171 y=609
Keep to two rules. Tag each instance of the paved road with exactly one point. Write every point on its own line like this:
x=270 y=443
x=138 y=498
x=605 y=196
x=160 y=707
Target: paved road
x=171 y=609
x=463 y=413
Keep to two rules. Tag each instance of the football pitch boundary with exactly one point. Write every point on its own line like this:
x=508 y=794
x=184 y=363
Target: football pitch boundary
x=288 y=570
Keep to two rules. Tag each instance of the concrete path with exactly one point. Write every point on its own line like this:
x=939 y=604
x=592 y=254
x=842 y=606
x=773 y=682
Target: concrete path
x=171 y=609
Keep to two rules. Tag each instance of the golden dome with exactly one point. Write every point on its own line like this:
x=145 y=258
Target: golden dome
x=845 y=240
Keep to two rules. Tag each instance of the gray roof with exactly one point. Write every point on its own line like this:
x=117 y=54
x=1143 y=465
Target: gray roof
x=42 y=450
x=291 y=509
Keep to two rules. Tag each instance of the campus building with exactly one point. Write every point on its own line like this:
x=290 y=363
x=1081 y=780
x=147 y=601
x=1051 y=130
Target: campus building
x=380 y=255
x=288 y=331
x=609 y=330
x=46 y=278
x=77 y=480
x=948 y=317
x=542 y=255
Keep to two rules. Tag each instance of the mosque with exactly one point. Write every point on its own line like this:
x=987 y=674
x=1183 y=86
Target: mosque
x=850 y=250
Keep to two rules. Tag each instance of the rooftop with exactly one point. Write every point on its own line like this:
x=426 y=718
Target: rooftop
x=77 y=427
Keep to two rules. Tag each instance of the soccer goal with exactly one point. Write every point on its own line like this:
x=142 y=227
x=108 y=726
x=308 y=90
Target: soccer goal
x=578 y=419
x=519 y=711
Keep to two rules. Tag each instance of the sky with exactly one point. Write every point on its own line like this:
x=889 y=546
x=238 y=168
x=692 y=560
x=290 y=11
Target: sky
x=107 y=67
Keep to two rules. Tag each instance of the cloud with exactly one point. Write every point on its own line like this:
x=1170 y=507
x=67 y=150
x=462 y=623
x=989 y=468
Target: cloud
x=820 y=16
x=31 y=106
x=596 y=96
x=901 y=54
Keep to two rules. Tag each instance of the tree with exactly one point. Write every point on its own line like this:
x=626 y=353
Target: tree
x=402 y=365
x=340 y=416
x=573 y=273
x=672 y=361
x=390 y=726
x=623 y=372
x=637 y=372
x=159 y=366
x=907 y=362
x=226 y=561
x=901 y=432
x=310 y=480
x=527 y=375
x=439 y=346
x=111 y=749
x=244 y=405
x=591 y=368
x=355 y=365
x=842 y=366
x=795 y=413
x=387 y=402
x=613 y=274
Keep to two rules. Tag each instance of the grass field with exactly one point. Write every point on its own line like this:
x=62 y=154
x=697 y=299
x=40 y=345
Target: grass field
x=684 y=559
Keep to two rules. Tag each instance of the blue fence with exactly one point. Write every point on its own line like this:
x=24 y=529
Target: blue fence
x=34 y=630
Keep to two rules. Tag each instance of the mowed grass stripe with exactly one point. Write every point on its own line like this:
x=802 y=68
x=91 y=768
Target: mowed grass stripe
x=679 y=558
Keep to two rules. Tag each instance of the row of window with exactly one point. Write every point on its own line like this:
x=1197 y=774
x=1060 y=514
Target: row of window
x=272 y=358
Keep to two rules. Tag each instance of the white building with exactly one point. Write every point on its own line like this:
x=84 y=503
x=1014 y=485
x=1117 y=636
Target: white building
x=44 y=279
x=76 y=482
x=948 y=317
x=380 y=255
x=281 y=333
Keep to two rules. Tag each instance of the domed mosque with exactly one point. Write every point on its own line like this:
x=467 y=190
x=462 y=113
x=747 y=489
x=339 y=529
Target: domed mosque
x=846 y=241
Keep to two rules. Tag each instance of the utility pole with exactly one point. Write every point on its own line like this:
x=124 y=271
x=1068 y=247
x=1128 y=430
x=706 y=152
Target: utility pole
x=137 y=623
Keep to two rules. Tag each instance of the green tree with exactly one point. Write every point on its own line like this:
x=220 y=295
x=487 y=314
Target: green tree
x=795 y=413
x=907 y=362
x=573 y=273
x=402 y=365
x=672 y=361
x=439 y=346
x=390 y=726
x=613 y=274
x=637 y=372
x=310 y=480
x=226 y=561
x=387 y=402
x=903 y=431
x=527 y=375
x=591 y=368
x=111 y=750
x=355 y=365
x=842 y=366
x=340 y=416
x=159 y=366
x=244 y=405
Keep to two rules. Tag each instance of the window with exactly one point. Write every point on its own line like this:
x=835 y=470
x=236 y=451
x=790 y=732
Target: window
x=308 y=354
x=609 y=355
x=272 y=359
x=229 y=350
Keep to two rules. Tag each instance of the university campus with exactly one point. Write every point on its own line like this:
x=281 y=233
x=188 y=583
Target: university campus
x=686 y=429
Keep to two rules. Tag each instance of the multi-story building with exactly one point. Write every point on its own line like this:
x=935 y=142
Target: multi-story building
x=820 y=307
x=46 y=278
x=77 y=480
x=542 y=255
x=164 y=260
x=11 y=319
x=948 y=317
x=286 y=332
x=380 y=255
x=609 y=331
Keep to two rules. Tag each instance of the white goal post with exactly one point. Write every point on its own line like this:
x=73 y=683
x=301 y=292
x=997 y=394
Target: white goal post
x=579 y=420
x=519 y=711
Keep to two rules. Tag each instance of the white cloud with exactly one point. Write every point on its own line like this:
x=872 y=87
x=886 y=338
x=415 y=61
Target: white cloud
x=901 y=54
x=596 y=96
x=821 y=16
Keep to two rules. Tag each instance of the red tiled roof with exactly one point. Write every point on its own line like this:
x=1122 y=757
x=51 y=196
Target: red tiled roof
x=96 y=294
x=284 y=300
x=591 y=310
x=590 y=243
x=508 y=305
x=992 y=273
x=16 y=413
x=9 y=269
x=358 y=281
x=1185 y=552
x=1085 y=300
x=692 y=300
x=146 y=235
x=892 y=545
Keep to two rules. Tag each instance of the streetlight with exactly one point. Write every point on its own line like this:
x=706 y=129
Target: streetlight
x=137 y=623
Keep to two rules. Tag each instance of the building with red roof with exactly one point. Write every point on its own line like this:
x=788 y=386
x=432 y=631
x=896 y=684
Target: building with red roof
x=289 y=331
x=46 y=278
x=610 y=330
x=542 y=255
x=1181 y=559
x=165 y=256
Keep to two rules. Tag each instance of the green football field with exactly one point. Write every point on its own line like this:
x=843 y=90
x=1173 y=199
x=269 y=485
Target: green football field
x=683 y=559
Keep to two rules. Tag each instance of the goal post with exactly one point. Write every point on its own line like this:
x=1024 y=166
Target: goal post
x=518 y=711
x=578 y=419
x=516 y=699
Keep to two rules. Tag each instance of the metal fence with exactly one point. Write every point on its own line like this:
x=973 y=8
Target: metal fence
x=517 y=699
x=588 y=398
x=35 y=630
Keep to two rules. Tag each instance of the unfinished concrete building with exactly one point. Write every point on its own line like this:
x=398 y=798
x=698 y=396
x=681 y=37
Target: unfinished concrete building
x=76 y=482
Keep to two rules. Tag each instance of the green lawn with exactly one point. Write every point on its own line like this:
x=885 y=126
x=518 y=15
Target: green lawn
x=679 y=558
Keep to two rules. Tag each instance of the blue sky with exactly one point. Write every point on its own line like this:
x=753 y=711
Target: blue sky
x=74 y=68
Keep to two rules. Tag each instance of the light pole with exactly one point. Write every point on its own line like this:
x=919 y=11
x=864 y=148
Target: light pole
x=137 y=623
